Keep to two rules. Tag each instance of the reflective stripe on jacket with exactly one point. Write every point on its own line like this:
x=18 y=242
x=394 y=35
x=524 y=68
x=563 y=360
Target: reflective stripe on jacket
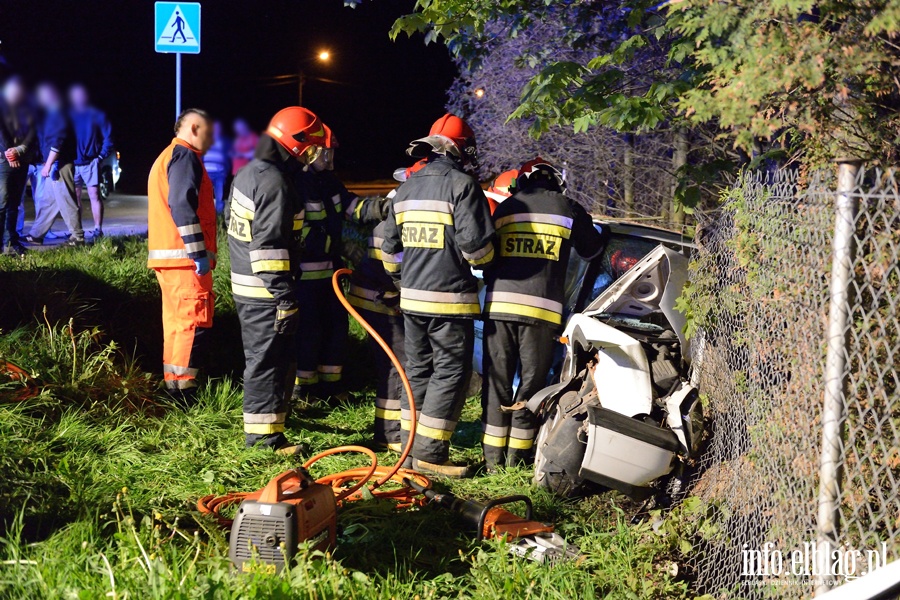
x=266 y=218
x=537 y=229
x=438 y=227
x=181 y=211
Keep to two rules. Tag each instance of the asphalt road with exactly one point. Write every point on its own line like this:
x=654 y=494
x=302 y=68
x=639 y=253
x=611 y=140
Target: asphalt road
x=124 y=215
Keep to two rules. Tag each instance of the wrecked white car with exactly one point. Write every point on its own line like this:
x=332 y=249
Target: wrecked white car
x=625 y=415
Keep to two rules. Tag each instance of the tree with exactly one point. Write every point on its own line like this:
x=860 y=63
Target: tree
x=608 y=173
x=815 y=79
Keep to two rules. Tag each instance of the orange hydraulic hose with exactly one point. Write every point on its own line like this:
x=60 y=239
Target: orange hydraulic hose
x=335 y=282
x=360 y=476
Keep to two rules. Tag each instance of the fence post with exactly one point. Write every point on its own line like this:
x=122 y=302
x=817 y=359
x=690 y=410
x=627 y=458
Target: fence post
x=828 y=521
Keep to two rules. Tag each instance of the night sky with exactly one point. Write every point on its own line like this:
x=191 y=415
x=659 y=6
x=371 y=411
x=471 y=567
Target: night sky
x=390 y=91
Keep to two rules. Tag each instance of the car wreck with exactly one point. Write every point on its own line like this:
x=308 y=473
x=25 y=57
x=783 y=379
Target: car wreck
x=625 y=414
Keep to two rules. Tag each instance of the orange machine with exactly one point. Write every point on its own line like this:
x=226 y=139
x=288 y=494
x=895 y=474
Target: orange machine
x=292 y=508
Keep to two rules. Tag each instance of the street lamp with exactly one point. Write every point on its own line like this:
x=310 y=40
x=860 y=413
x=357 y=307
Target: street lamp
x=323 y=56
x=479 y=92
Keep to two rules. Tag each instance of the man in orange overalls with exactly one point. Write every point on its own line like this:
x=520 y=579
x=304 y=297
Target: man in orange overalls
x=182 y=248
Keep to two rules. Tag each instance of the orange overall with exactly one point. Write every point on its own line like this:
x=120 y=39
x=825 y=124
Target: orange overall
x=182 y=231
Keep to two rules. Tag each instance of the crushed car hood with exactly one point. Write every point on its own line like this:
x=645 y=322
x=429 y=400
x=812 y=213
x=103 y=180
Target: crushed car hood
x=653 y=284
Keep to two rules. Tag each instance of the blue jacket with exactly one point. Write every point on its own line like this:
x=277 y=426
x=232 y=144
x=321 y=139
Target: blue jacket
x=56 y=135
x=93 y=135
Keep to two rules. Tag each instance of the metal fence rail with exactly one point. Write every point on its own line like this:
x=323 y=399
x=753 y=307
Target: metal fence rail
x=761 y=287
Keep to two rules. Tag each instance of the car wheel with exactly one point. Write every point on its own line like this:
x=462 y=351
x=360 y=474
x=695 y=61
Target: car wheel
x=559 y=451
x=106 y=184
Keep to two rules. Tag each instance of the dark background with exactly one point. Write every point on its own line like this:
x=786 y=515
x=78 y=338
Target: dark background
x=391 y=91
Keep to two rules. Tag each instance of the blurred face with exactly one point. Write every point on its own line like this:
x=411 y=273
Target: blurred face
x=325 y=161
x=14 y=92
x=197 y=131
x=241 y=128
x=204 y=133
x=217 y=130
x=48 y=97
x=78 y=97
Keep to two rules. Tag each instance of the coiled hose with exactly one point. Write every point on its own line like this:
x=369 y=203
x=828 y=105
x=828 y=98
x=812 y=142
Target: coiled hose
x=404 y=495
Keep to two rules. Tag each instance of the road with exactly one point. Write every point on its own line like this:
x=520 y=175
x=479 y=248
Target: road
x=124 y=215
x=127 y=214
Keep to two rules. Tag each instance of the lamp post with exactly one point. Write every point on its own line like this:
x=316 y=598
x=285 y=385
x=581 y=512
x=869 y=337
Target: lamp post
x=323 y=56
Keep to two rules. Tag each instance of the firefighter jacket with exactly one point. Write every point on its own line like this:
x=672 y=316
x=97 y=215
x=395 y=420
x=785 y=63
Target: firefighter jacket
x=266 y=218
x=328 y=204
x=181 y=212
x=536 y=231
x=371 y=287
x=438 y=227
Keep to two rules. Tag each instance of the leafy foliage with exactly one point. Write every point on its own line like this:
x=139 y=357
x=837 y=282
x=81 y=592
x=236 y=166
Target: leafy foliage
x=817 y=78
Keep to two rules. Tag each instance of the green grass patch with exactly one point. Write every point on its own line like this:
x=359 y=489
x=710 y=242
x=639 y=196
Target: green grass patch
x=101 y=473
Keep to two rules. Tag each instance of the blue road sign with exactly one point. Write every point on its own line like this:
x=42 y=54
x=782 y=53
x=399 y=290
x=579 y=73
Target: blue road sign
x=178 y=27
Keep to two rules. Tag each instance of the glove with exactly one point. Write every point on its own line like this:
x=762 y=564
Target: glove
x=202 y=265
x=287 y=318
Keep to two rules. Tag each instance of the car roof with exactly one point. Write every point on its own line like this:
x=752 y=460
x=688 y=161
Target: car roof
x=647 y=232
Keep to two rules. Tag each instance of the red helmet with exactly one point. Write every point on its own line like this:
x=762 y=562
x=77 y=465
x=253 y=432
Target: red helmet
x=449 y=135
x=402 y=174
x=299 y=131
x=501 y=188
x=331 y=140
x=539 y=168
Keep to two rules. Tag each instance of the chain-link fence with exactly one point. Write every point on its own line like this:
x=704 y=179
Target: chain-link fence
x=761 y=295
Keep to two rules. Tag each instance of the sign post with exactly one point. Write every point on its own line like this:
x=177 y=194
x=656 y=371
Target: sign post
x=177 y=31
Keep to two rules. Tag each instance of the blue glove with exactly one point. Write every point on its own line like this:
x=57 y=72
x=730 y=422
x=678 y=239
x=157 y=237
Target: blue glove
x=202 y=265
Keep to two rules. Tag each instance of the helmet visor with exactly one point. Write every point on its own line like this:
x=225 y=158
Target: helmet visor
x=310 y=154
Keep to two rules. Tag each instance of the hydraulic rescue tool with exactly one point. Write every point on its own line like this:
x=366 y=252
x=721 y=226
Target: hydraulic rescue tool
x=294 y=508
x=525 y=536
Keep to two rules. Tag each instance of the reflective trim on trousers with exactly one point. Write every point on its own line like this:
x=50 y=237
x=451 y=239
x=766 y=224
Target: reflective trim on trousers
x=263 y=428
x=266 y=418
x=330 y=373
x=180 y=384
x=177 y=370
x=306 y=377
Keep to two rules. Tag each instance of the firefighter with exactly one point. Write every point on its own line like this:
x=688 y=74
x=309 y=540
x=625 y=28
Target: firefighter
x=321 y=348
x=373 y=293
x=501 y=188
x=536 y=227
x=266 y=218
x=438 y=227
x=181 y=238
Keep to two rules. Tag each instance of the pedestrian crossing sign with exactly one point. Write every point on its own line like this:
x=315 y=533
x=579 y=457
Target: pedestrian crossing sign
x=178 y=27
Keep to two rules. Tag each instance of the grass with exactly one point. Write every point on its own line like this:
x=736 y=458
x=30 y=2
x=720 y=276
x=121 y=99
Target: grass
x=100 y=474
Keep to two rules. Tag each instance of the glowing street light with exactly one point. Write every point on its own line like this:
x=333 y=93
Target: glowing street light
x=324 y=56
x=479 y=92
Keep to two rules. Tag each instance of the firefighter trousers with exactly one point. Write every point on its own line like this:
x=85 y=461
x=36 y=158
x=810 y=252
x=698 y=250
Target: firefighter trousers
x=268 y=374
x=389 y=386
x=508 y=437
x=323 y=342
x=187 y=312
x=438 y=364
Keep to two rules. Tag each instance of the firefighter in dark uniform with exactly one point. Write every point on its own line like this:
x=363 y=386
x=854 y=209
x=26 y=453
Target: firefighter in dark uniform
x=438 y=227
x=537 y=228
x=322 y=347
x=266 y=218
x=373 y=293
